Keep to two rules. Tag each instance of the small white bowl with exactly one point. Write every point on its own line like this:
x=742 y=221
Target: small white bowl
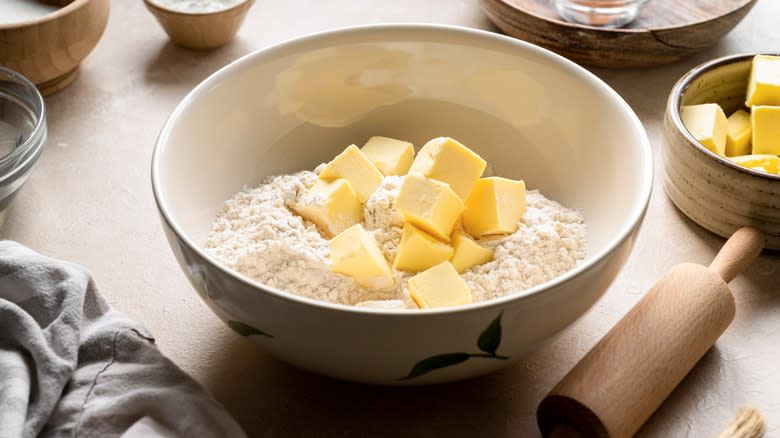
x=531 y=113
x=713 y=191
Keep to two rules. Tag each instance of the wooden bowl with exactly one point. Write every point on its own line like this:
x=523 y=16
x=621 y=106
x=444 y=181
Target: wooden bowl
x=48 y=50
x=664 y=31
x=714 y=192
x=207 y=30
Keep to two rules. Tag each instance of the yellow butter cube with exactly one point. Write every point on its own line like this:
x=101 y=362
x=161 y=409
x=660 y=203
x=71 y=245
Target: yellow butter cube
x=439 y=286
x=766 y=129
x=764 y=84
x=738 y=133
x=354 y=253
x=468 y=253
x=429 y=204
x=355 y=167
x=770 y=163
x=495 y=206
x=390 y=156
x=332 y=206
x=708 y=124
x=446 y=160
x=419 y=250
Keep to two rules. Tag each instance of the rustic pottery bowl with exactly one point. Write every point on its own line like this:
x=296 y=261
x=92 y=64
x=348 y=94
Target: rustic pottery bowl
x=48 y=50
x=201 y=30
x=289 y=107
x=714 y=192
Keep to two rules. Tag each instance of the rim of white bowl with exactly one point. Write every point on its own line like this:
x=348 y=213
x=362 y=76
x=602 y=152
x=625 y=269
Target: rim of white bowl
x=674 y=104
x=403 y=30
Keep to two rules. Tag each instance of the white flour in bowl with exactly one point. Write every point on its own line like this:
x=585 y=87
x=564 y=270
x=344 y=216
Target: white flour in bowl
x=258 y=235
x=197 y=6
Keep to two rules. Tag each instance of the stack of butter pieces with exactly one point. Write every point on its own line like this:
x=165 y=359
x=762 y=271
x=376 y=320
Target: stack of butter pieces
x=749 y=139
x=445 y=203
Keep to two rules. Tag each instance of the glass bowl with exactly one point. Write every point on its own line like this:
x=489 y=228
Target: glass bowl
x=22 y=132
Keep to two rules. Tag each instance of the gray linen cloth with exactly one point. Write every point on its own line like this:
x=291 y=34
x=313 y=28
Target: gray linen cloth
x=71 y=366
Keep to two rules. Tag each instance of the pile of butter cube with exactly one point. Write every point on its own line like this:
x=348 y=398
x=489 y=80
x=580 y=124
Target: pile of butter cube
x=749 y=139
x=445 y=203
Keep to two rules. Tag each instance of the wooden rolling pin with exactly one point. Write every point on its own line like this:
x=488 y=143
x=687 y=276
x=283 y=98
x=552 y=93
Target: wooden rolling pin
x=615 y=388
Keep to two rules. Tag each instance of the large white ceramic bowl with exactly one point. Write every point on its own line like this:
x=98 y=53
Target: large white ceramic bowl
x=530 y=113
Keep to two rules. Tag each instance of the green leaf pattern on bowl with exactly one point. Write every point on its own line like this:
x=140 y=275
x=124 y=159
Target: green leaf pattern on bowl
x=246 y=330
x=436 y=362
x=490 y=338
x=489 y=341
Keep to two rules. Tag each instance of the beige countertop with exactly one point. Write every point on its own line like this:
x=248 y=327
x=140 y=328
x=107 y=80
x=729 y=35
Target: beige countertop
x=89 y=200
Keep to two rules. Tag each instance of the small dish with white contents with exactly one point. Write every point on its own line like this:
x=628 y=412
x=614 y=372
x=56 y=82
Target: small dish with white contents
x=527 y=112
x=200 y=24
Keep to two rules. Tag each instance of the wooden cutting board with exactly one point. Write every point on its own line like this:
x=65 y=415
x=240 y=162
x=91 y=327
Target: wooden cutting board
x=665 y=30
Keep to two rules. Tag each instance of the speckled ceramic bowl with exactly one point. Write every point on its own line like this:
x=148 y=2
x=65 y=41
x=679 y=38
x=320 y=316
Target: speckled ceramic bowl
x=528 y=112
x=714 y=192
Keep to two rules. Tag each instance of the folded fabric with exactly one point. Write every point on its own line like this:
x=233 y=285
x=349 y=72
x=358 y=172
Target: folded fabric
x=71 y=366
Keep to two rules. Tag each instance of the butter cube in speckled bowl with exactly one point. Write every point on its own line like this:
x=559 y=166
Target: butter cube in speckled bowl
x=529 y=112
x=713 y=191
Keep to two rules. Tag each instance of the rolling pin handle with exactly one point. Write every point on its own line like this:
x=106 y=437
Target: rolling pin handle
x=738 y=253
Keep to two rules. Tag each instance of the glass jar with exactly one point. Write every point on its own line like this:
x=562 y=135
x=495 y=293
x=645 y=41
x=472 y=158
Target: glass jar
x=601 y=13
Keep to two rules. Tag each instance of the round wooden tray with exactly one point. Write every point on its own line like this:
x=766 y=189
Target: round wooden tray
x=664 y=31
